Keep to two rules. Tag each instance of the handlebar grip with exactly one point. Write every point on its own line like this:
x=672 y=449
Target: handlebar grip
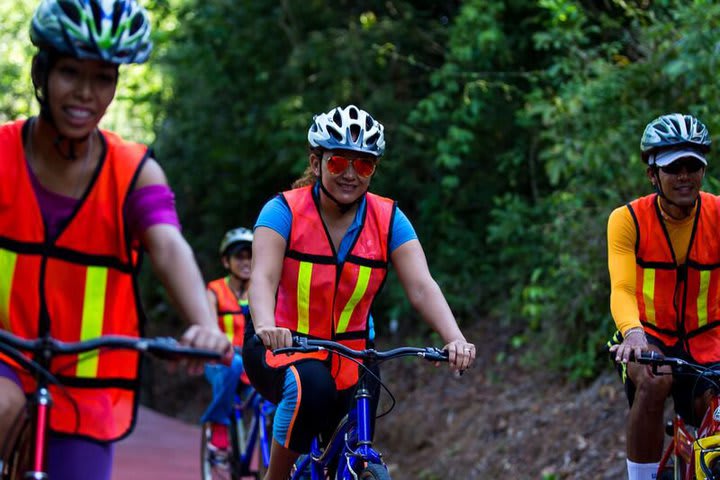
x=647 y=357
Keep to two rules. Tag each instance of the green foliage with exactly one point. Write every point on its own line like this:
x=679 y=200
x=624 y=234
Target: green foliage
x=15 y=50
x=512 y=127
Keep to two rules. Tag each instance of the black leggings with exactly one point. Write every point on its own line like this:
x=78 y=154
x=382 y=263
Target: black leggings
x=319 y=406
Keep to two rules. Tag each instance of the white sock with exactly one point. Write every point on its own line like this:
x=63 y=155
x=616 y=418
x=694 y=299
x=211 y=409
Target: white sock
x=642 y=471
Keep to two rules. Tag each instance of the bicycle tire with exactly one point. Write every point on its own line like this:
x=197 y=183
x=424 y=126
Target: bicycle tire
x=238 y=440
x=374 y=471
x=16 y=454
x=214 y=465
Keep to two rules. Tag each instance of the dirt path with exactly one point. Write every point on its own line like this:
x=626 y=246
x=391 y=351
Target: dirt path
x=159 y=448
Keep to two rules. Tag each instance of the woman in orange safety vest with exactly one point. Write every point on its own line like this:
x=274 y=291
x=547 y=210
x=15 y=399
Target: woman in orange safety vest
x=77 y=206
x=320 y=255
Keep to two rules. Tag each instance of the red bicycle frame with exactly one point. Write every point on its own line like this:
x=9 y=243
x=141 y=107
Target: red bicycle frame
x=38 y=412
x=683 y=445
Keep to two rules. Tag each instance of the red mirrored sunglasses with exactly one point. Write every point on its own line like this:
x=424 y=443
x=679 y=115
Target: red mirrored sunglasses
x=363 y=166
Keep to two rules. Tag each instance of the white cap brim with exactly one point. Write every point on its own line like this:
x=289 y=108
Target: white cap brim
x=664 y=158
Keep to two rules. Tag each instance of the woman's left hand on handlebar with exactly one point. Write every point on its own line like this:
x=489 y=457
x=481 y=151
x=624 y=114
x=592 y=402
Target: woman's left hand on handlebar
x=461 y=354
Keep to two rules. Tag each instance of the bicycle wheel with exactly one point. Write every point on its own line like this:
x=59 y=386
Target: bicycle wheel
x=215 y=463
x=16 y=450
x=374 y=471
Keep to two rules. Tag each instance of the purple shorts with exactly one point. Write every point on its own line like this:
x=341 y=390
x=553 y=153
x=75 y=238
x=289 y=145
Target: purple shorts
x=71 y=458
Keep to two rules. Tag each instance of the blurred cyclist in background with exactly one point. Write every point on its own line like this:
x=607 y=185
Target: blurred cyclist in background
x=228 y=299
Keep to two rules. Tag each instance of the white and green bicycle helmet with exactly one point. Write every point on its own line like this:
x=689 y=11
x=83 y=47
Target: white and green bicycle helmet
x=349 y=128
x=114 y=31
x=674 y=130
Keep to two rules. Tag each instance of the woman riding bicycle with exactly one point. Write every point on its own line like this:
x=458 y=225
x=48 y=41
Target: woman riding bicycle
x=663 y=258
x=228 y=299
x=320 y=255
x=77 y=206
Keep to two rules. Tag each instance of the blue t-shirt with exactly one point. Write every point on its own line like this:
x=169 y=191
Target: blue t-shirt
x=276 y=215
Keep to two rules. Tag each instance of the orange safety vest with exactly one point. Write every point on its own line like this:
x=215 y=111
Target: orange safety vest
x=679 y=303
x=319 y=297
x=231 y=314
x=76 y=286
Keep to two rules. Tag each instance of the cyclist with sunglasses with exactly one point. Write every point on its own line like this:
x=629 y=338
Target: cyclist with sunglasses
x=664 y=263
x=320 y=255
x=78 y=205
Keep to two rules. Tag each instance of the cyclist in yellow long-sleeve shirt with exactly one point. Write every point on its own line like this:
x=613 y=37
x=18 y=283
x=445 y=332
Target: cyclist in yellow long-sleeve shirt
x=664 y=263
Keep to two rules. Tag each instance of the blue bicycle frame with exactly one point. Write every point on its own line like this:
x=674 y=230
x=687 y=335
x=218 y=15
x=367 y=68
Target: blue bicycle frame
x=351 y=444
x=262 y=410
x=349 y=451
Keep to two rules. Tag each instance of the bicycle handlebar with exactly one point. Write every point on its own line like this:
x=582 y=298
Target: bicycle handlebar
x=161 y=347
x=308 y=345
x=678 y=365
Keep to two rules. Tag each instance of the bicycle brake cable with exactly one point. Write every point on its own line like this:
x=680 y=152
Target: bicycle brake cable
x=371 y=373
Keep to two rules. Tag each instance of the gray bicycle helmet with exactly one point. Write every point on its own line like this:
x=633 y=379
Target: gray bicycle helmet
x=234 y=237
x=348 y=128
x=672 y=131
x=114 y=31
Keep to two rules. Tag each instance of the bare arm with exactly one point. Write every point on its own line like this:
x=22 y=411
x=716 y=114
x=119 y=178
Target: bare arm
x=267 y=262
x=426 y=297
x=174 y=264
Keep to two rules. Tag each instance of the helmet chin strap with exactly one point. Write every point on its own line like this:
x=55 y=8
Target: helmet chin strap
x=344 y=207
x=71 y=152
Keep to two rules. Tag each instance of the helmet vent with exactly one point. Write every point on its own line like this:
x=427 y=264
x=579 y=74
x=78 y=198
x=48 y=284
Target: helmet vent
x=334 y=132
x=372 y=139
x=70 y=10
x=353 y=113
x=97 y=14
x=117 y=13
x=337 y=118
x=354 y=132
x=136 y=24
x=369 y=122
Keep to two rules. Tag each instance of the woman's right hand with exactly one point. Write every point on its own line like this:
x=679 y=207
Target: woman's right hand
x=274 y=337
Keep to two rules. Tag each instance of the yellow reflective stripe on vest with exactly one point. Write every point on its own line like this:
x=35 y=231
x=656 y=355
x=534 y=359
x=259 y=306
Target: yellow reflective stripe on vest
x=229 y=325
x=649 y=294
x=92 y=318
x=360 y=288
x=303 y=297
x=702 y=300
x=7 y=273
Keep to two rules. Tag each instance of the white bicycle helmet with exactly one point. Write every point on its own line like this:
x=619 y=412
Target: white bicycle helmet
x=114 y=31
x=674 y=130
x=234 y=237
x=349 y=128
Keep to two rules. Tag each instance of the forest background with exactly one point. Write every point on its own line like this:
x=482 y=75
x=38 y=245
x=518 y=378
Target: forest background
x=512 y=131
